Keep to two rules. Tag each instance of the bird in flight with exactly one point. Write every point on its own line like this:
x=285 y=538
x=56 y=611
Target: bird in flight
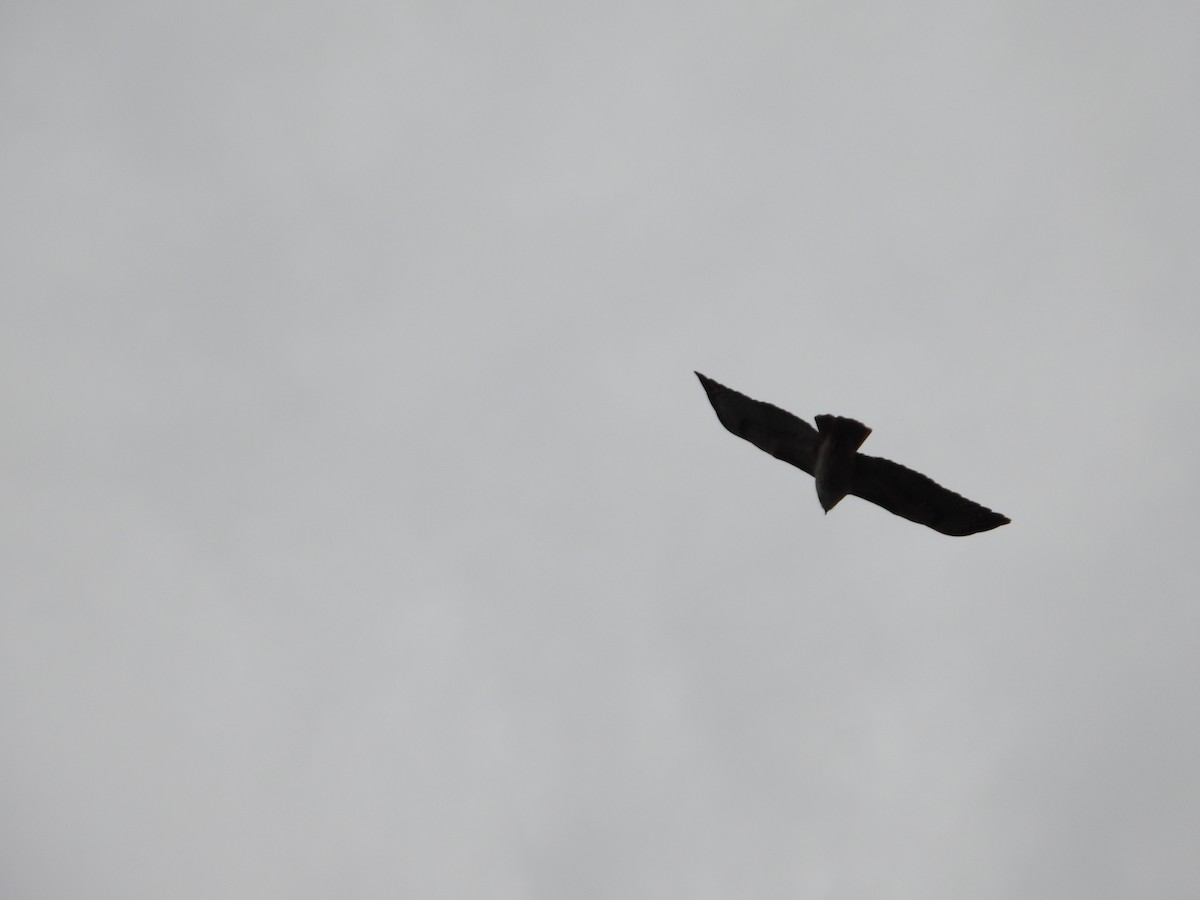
x=830 y=454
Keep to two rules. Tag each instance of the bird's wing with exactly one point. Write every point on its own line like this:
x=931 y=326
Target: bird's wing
x=910 y=494
x=765 y=426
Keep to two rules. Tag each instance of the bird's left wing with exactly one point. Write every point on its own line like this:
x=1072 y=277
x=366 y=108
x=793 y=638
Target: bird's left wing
x=910 y=494
x=765 y=426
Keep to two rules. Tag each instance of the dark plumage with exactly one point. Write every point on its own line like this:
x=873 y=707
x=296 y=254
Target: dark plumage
x=830 y=454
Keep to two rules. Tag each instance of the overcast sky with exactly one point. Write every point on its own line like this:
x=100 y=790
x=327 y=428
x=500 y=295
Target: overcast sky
x=366 y=534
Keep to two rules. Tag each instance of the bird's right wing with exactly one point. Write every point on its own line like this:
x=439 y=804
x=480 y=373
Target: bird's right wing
x=910 y=494
x=765 y=426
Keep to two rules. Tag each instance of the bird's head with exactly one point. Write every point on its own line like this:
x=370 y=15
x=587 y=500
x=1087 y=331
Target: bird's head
x=829 y=499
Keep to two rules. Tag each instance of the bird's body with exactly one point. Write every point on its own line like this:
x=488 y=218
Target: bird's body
x=830 y=454
x=833 y=470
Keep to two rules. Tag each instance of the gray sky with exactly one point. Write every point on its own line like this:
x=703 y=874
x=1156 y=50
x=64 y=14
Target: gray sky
x=366 y=533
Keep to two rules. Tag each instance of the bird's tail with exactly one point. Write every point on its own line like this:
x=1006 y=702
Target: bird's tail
x=847 y=432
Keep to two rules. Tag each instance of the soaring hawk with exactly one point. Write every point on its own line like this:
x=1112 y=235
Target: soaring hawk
x=830 y=454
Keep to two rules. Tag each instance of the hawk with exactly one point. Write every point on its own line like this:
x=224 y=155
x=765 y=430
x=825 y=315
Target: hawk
x=830 y=454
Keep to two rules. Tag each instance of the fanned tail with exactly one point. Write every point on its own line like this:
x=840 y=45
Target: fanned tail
x=848 y=432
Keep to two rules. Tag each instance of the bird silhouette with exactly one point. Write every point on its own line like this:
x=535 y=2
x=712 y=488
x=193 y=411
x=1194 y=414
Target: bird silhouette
x=830 y=454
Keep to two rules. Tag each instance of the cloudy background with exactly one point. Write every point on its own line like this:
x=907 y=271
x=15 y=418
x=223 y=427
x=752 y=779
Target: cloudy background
x=366 y=534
